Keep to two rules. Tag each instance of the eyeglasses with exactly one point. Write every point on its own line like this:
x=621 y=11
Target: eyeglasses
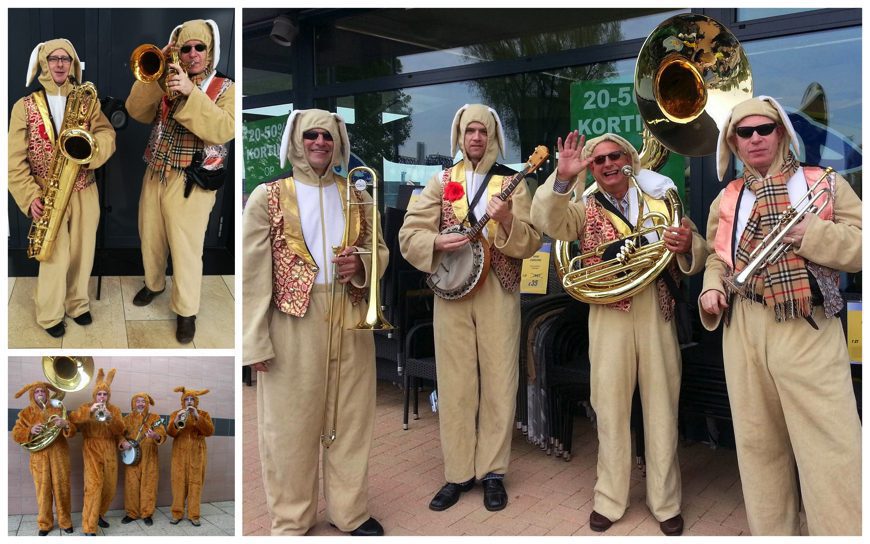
x=313 y=134
x=59 y=60
x=613 y=156
x=199 y=47
x=762 y=130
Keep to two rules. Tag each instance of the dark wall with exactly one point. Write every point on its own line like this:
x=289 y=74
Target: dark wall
x=104 y=39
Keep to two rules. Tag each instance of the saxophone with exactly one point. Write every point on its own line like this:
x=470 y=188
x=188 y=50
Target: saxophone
x=75 y=146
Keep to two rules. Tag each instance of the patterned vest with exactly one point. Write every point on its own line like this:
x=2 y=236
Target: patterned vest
x=41 y=142
x=506 y=269
x=293 y=267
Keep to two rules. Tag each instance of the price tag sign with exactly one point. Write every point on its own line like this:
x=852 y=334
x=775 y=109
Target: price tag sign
x=853 y=330
x=535 y=269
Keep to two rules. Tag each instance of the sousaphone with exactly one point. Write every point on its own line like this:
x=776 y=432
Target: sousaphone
x=691 y=71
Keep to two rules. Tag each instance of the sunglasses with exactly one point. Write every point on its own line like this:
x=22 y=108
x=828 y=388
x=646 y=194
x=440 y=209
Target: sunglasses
x=762 y=130
x=613 y=156
x=313 y=134
x=199 y=47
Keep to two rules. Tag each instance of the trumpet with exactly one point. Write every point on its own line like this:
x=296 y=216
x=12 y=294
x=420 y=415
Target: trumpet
x=772 y=247
x=149 y=64
x=374 y=319
x=181 y=418
x=102 y=413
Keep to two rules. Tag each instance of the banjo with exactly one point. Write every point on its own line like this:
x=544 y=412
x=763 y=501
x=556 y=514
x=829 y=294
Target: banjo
x=461 y=273
x=132 y=456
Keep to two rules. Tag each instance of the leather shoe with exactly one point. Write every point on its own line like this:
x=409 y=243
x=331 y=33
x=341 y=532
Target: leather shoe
x=185 y=329
x=84 y=319
x=448 y=495
x=148 y=521
x=42 y=532
x=673 y=526
x=370 y=527
x=174 y=521
x=495 y=497
x=599 y=523
x=57 y=331
x=68 y=530
x=102 y=523
x=90 y=534
x=145 y=296
x=126 y=520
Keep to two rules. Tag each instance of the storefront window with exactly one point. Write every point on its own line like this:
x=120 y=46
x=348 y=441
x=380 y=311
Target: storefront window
x=748 y=14
x=267 y=67
x=397 y=41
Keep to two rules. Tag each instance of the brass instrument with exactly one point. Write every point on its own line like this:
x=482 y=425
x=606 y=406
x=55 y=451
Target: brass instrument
x=374 y=319
x=75 y=147
x=149 y=64
x=66 y=375
x=181 y=418
x=772 y=248
x=102 y=413
x=691 y=71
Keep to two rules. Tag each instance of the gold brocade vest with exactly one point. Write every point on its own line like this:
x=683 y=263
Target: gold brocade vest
x=41 y=141
x=507 y=269
x=293 y=267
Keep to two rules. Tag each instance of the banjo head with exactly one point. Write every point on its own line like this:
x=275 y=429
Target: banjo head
x=460 y=271
x=133 y=455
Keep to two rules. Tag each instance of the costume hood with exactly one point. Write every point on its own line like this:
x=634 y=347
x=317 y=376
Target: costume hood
x=487 y=116
x=760 y=105
x=29 y=388
x=39 y=64
x=195 y=393
x=104 y=383
x=293 y=149
x=148 y=402
x=206 y=31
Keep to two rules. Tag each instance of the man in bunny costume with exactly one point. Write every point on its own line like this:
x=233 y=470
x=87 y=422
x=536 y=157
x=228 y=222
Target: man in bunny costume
x=786 y=359
x=290 y=227
x=477 y=337
x=187 y=131
x=62 y=285
x=633 y=340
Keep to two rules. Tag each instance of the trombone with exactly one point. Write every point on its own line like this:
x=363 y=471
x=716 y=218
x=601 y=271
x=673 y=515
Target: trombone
x=772 y=248
x=374 y=319
x=149 y=64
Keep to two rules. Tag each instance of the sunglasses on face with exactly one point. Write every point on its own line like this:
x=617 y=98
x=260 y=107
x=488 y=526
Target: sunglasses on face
x=199 y=47
x=313 y=134
x=613 y=156
x=762 y=130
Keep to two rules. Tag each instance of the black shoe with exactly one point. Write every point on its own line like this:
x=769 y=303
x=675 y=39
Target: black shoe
x=448 y=495
x=185 y=329
x=90 y=534
x=370 y=527
x=68 y=530
x=145 y=296
x=195 y=522
x=148 y=521
x=57 y=331
x=84 y=319
x=127 y=519
x=102 y=523
x=175 y=521
x=43 y=533
x=599 y=523
x=495 y=498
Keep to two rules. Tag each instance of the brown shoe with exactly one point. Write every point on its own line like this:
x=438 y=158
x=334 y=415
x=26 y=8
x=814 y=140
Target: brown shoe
x=599 y=523
x=673 y=526
x=185 y=329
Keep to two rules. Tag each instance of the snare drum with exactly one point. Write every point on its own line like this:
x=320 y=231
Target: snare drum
x=132 y=456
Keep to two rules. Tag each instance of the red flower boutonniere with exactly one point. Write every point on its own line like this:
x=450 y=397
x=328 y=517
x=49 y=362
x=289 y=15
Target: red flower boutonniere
x=453 y=191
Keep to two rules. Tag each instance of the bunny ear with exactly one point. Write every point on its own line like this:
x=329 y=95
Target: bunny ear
x=26 y=388
x=150 y=400
x=174 y=33
x=33 y=65
x=345 y=141
x=786 y=122
x=285 y=138
x=110 y=376
x=500 y=131
x=100 y=376
x=179 y=389
x=216 y=41
x=454 y=130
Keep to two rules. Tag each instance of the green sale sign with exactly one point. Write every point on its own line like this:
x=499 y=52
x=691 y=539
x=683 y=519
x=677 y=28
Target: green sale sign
x=598 y=107
x=262 y=138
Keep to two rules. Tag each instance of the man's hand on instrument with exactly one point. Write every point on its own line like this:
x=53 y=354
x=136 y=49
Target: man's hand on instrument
x=124 y=445
x=795 y=235
x=36 y=429
x=713 y=302
x=349 y=264
x=679 y=239
x=152 y=435
x=62 y=423
x=95 y=406
x=36 y=208
x=500 y=211
x=571 y=162
x=260 y=367
x=193 y=411
x=179 y=81
x=450 y=242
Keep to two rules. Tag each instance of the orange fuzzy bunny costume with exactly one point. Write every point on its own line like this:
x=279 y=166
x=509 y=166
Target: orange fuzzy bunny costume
x=140 y=480
x=189 y=456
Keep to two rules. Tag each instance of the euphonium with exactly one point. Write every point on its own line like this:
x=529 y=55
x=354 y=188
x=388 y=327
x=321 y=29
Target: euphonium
x=374 y=320
x=149 y=64
x=74 y=147
x=65 y=374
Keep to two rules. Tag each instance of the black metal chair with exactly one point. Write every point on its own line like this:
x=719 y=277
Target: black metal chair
x=419 y=363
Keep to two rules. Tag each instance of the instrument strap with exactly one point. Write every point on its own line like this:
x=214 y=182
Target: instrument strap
x=480 y=190
x=608 y=205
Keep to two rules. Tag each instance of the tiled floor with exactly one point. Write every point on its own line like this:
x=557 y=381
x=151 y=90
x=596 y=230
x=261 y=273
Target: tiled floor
x=217 y=518
x=548 y=496
x=120 y=324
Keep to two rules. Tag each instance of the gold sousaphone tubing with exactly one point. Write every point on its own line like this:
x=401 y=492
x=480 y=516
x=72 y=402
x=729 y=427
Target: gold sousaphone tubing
x=66 y=375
